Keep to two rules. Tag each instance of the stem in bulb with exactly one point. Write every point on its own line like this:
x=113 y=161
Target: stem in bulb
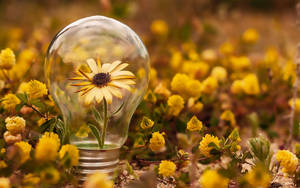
x=104 y=123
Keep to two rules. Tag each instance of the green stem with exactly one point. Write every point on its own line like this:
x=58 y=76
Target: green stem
x=104 y=124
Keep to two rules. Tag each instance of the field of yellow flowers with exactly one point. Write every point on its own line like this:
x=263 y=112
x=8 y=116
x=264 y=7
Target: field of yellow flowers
x=222 y=108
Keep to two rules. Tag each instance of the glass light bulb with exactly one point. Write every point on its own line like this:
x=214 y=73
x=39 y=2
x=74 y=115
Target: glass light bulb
x=97 y=71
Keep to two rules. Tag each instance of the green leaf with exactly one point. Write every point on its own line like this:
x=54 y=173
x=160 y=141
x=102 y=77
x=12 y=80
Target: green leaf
x=212 y=144
x=97 y=116
x=118 y=109
x=19 y=106
x=23 y=97
x=45 y=126
x=96 y=133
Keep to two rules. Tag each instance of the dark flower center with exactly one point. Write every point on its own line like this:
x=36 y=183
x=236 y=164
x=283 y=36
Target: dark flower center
x=101 y=79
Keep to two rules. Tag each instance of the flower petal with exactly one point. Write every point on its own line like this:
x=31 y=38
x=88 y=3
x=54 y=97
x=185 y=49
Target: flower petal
x=115 y=91
x=122 y=73
x=93 y=65
x=120 y=67
x=119 y=85
x=107 y=95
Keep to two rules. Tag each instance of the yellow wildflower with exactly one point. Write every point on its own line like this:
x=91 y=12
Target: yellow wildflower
x=166 y=168
x=179 y=82
x=7 y=59
x=41 y=121
x=146 y=123
x=35 y=89
x=162 y=90
x=250 y=36
x=193 y=88
x=206 y=140
x=50 y=175
x=175 y=104
x=193 y=55
x=4 y=182
x=31 y=179
x=10 y=101
x=229 y=117
x=271 y=56
x=46 y=148
x=15 y=124
x=209 y=55
x=226 y=48
x=297 y=104
x=251 y=84
x=237 y=87
x=83 y=131
x=289 y=71
x=2 y=164
x=176 y=60
x=150 y=97
x=71 y=152
x=194 y=124
x=258 y=177
x=220 y=73
x=2 y=150
x=10 y=138
x=209 y=85
x=196 y=69
x=159 y=27
x=287 y=160
x=194 y=107
x=212 y=179
x=157 y=142
x=239 y=63
x=25 y=149
x=97 y=180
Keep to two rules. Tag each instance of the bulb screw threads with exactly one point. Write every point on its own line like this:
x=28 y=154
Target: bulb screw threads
x=92 y=161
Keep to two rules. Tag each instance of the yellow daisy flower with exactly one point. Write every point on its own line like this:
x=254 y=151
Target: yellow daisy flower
x=104 y=81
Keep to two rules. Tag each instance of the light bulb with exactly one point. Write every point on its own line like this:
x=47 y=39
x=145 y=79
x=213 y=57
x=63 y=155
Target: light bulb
x=97 y=70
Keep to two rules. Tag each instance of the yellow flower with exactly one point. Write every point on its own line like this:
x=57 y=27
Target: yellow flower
x=287 y=160
x=250 y=36
x=150 y=97
x=271 y=56
x=97 y=180
x=71 y=152
x=195 y=107
x=4 y=182
x=2 y=164
x=35 y=89
x=83 y=131
x=146 y=123
x=206 y=140
x=15 y=124
x=196 y=69
x=220 y=73
x=162 y=90
x=159 y=27
x=46 y=148
x=226 y=48
x=175 y=104
x=41 y=121
x=186 y=86
x=209 y=55
x=176 y=60
x=258 y=177
x=7 y=59
x=10 y=138
x=105 y=81
x=209 y=85
x=166 y=168
x=289 y=71
x=239 y=63
x=237 y=87
x=50 y=175
x=228 y=116
x=10 y=101
x=157 y=142
x=25 y=149
x=179 y=82
x=194 y=124
x=251 y=85
x=297 y=104
x=212 y=179
x=31 y=179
